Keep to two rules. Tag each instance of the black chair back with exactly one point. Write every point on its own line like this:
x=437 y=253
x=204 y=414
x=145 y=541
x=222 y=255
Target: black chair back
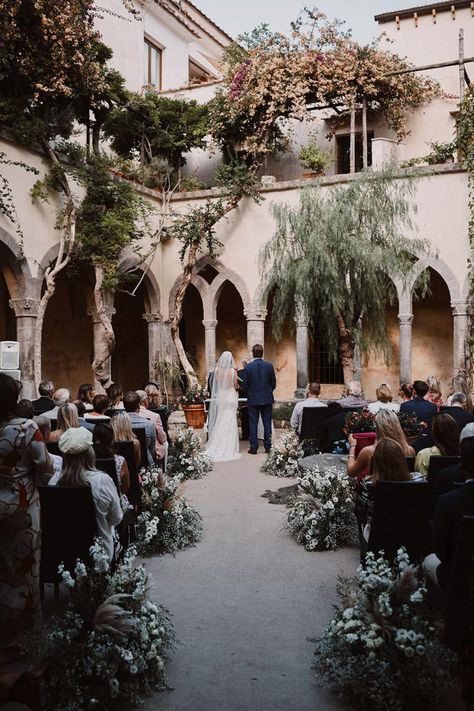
x=164 y=414
x=312 y=420
x=127 y=450
x=54 y=425
x=108 y=466
x=140 y=434
x=439 y=462
x=459 y=612
x=401 y=517
x=411 y=463
x=53 y=448
x=68 y=528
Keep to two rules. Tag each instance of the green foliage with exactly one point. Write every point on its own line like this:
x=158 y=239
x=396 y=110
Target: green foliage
x=440 y=152
x=191 y=183
x=196 y=228
x=237 y=181
x=313 y=158
x=155 y=126
x=7 y=205
x=332 y=255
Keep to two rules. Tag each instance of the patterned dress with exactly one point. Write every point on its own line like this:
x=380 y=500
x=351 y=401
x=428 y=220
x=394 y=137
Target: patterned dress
x=22 y=451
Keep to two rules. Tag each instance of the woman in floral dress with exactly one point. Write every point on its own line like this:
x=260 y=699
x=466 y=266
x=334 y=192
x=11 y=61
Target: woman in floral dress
x=23 y=459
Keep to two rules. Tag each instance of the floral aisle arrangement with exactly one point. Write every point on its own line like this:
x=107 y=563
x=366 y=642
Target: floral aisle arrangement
x=187 y=456
x=108 y=649
x=168 y=522
x=282 y=460
x=409 y=424
x=363 y=421
x=382 y=648
x=322 y=516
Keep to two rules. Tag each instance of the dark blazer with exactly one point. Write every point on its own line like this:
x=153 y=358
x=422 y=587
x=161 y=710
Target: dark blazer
x=42 y=404
x=450 y=508
x=461 y=417
x=259 y=382
x=423 y=409
x=446 y=478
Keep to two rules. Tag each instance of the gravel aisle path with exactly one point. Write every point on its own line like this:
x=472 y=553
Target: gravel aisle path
x=244 y=600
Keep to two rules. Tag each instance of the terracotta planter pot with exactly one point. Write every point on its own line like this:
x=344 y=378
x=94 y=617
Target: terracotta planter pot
x=364 y=439
x=195 y=416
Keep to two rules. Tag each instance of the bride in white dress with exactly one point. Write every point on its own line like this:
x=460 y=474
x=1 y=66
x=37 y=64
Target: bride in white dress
x=223 y=442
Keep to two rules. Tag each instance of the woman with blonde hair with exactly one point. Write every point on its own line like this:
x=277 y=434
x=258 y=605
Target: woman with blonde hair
x=434 y=394
x=384 y=400
x=387 y=426
x=67 y=417
x=122 y=427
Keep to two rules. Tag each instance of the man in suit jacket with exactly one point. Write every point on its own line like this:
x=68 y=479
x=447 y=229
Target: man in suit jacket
x=259 y=382
x=423 y=409
x=131 y=403
x=458 y=411
x=450 y=508
x=45 y=401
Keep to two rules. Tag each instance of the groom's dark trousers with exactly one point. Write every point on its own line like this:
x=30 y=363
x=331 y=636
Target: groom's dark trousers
x=259 y=382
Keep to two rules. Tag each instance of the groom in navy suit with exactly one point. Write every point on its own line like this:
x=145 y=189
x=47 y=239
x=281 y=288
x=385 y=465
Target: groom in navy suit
x=259 y=382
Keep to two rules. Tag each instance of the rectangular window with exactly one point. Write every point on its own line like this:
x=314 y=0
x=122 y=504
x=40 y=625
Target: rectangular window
x=322 y=368
x=343 y=152
x=151 y=65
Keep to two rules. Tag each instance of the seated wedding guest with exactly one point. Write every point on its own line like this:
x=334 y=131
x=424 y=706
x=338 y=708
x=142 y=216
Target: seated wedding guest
x=100 y=404
x=153 y=396
x=79 y=470
x=418 y=406
x=23 y=462
x=86 y=394
x=81 y=411
x=445 y=433
x=384 y=400
x=67 y=417
x=161 y=445
x=434 y=394
x=458 y=411
x=388 y=464
x=353 y=395
x=447 y=478
x=45 y=400
x=115 y=394
x=59 y=397
x=131 y=402
x=312 y=400
x=122 y=428
x=460 y=384
x=103 y=437
x=387 y=425
x=332 y=430
x=24 y=408
x=406 y=392
x=450 y=508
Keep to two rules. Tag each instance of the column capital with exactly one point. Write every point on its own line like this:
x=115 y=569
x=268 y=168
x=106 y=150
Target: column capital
x=405 y=319
x=92 y=312
x=255 y=314
x=209 y=324
x=459 y=308
x=152 y=318
x=25 y=307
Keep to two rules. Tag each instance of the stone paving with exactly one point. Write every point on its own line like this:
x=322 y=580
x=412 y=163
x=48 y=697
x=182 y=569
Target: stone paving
x=244 y=601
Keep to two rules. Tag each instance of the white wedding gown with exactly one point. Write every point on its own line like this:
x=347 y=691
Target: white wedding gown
x=223 y=442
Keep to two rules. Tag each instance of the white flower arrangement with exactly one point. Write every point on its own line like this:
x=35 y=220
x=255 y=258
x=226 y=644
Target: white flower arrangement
x=322 y=517
x=187 y=457
x=282 y=460
x=108 y=649
x=168 y=522
x=382 y=649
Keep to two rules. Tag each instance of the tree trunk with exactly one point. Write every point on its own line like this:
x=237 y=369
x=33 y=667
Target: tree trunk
x=106 y=341
x=346 y=349
x=189 y=373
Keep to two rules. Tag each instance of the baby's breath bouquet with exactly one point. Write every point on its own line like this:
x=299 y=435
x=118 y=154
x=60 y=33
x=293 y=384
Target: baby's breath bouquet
x=187 y=456
x=282 y=460
x=108 y=649
x=322 y=517
x=382 y=649
x=168 y=522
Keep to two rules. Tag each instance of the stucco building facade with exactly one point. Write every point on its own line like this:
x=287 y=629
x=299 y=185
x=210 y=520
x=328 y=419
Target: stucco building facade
x=177 y=49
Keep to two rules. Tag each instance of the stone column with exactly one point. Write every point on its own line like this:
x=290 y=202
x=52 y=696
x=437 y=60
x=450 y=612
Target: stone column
x=255 y=327
x=460 y=323
x=97 y=337
x=210 y=343
x=302 y=377
x=26 y=311
x=154 y=343
x=405 y=321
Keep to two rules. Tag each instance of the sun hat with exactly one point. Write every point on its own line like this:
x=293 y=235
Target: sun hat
x=75 y=440
x=467 y=431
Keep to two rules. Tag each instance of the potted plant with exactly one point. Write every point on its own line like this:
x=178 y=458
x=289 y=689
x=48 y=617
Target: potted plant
x=169 y=374
x=314 y=159
x=192 y=404
x=361 y=424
